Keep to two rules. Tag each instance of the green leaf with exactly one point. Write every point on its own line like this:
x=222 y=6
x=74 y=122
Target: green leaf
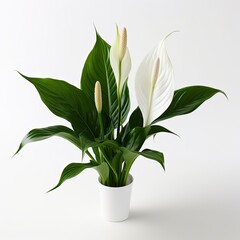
x=97 y=68
x=103 y=171
x=72 y=170
x=187 y=99
x=125 y=103
x=154 y=129
x=107 y=149
x=68 y=102
x=117 y=161
x=136 y=119
x=87 y=143
x=40 y=134
x=95 y=143
x=136 y=138
x=130 y=156
x=154 y=155
x=109 y=162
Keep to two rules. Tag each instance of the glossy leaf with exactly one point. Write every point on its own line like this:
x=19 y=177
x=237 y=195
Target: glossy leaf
x=87 y=143
x=130 y=156
x=135 y=120
x=117 y=161
x=154 y=155
x=40 y=134
x=154 y=129
x=113 y=170
x=187 y=99
x=125 y=102
x=136 y=137
x=68 y=102
x=97 y=68
x=103 y=171
x=72 y=170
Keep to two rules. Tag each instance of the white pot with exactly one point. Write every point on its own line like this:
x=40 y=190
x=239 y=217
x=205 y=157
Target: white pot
x=115 y=201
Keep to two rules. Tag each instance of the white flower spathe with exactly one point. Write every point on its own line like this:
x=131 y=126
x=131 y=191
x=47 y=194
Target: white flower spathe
x=120 y=59
x=154 y=83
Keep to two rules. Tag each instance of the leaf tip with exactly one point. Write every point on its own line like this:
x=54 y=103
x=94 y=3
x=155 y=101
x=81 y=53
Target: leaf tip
x=224 y=95
x=19 y=73
x=176 y=135
x=95 y=28
x=19 y=148
x=52 y=189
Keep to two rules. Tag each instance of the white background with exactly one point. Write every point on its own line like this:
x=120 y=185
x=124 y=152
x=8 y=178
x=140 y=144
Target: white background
x=198 y=197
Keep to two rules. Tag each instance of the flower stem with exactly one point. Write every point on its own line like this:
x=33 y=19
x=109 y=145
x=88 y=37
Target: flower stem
x=100 y=155
x=111 y=167
x=119 y=115
x=101 y=126
x=119 y=98
x=90 y=155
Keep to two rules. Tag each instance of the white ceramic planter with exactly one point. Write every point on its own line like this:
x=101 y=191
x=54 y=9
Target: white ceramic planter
x=115 y=201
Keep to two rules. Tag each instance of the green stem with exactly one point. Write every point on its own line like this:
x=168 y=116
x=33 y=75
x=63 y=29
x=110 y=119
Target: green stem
x=101 y=126
x=119 y=98
x=119 y=116
x=119 y=78
x=112 y=135
x=100 y=155
x=90 y=155
x=125 y=173
x=111 y=167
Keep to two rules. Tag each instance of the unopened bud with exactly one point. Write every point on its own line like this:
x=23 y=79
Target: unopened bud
x=98 y=97
x=123 y=44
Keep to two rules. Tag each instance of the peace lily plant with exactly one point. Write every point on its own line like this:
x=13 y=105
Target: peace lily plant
x=98 y=110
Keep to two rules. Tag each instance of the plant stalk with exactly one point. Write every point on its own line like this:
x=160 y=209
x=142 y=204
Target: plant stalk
x=90 y=155
x=101 y=126
x=119 y=115
x=111 y=167
x=100 y=155
x=119 y=98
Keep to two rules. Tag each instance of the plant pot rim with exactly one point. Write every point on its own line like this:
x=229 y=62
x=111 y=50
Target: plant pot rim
x=129 y=182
